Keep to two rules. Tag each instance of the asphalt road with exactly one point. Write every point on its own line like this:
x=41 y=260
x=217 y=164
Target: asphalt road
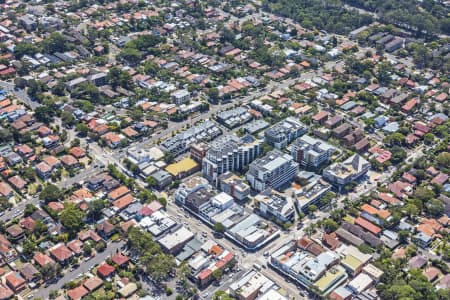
x=20 y=94
x=84 y=267
x=17 y=210
x=119 y=154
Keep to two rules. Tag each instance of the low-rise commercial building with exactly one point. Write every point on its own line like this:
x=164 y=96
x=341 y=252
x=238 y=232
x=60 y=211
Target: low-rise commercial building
x=320 y=273
x=174 y=241
x=276 y=206
x=234 y=186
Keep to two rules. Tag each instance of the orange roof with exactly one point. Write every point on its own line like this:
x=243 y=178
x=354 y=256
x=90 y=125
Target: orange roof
x=76 y=246
x=5 y=103
x=120 y=259
x=77 y=152
x=118 y=192
x=5 y=292
x=77 y=293
x=111 y=137
x=399 y=253
x=367 y=225
x=204 y=274
x=150 y=123
x=42 y=259
x=384 y=214
x=431 y=273
x=305 y=64
x=129 y=132
x=101 y=128
x=433 y=223
x=105 y=269
x=5 y=189
x=69 y=160
x=410 y=104
x=51 y=161
x=389 y=199
x=61 y=252
x=56 y=206
x=81 y=194
x=128 y=224
x=216 y=250
x=10 y=108
x=15 y=281
x=43 y=167
x=93 y=283
x=369 y=209
x=320 y=115
x=44 y=130
x=426 y=228
x=124 y=201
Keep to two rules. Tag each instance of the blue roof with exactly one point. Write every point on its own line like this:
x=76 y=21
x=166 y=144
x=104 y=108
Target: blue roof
x=349 y=105
x=391 y=127
x=380 y=120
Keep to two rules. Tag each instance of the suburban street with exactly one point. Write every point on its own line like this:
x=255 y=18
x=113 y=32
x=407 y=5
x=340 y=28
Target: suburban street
x=260 y=150
x=214 y=109
x=17 y=210
x=20 y=94
x=84 y=267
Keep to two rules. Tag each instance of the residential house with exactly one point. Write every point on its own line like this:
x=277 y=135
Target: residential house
x=61 y=253
x=15 y=281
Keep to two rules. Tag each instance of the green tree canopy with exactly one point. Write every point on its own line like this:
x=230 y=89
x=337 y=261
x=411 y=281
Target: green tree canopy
x=50 y=193
x=72 y=218
x=218 y=227
x=443 y=159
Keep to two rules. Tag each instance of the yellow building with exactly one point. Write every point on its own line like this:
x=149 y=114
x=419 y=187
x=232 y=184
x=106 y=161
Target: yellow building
x=183 y=168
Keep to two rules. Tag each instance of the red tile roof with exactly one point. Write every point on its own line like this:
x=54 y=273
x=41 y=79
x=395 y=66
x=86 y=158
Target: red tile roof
x=93 y=283
x=123 y=202
x=76 y=246
x=77 y=293
x=367 y=225
x=441 y=178
x=77 y=152
x=120 y=259
x=61 y=252
x=319 y=116
x=5 y=189
x=89 y=234
x=5 y=292
x=431 y=273
x=105 y=270
x=28 y=223
x=204 y=274
x=118 y=192
x=42 y=259
x=69 y=160
x=15 y=281
x=56 y=206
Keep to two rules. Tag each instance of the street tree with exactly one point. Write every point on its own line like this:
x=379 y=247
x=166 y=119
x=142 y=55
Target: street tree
x=218 y=227
x=217 y=274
